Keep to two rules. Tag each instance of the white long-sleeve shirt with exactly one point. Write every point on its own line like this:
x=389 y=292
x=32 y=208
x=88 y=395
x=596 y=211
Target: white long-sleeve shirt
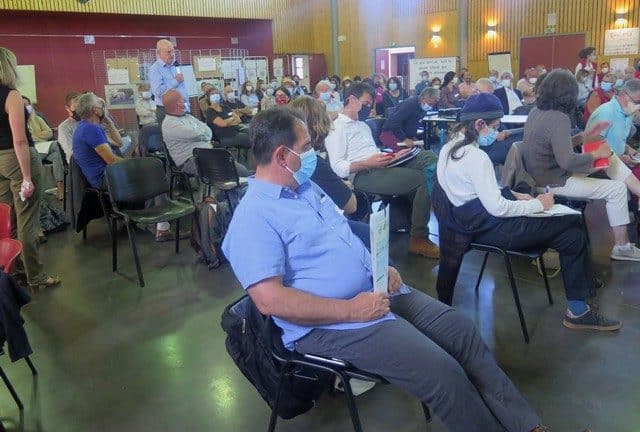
x=349 y=141
x=472 y=176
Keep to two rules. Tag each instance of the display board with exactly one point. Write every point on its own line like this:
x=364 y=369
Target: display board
x=27 y=82
x=131 y=64
x=618 y=64
x=190 y=80
x=207 y=66
x=621 y=41
x=500 y=61
x=436 y=66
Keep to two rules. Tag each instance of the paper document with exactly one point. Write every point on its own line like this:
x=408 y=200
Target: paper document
x=556 y=210
x=379 y=236
x=43 y=147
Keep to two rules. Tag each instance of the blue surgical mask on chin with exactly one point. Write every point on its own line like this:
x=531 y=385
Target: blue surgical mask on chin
x=606 y=86
x=308 y=161
x=487 y=140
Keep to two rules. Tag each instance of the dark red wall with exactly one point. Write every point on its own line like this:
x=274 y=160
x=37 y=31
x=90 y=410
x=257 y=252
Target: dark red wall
x=64 y=63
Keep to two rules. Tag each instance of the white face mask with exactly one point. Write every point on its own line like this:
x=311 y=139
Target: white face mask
x=605 y=70
x=456 y=80
x=533 y=80
x=506 y=83
x=146 y=94
x=29 y=109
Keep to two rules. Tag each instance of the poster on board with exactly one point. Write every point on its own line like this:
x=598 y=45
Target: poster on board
x=436 y=66
x=500 y=61
x=621 y=41
x=27 y=82
x=618 y=64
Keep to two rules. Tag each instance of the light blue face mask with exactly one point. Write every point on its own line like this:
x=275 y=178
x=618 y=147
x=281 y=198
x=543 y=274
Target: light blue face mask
x=308 y=162
x=488 y=139
x=215 y=98
x=619 y=82
x=325 y=96
x=606 y=86
x=393 y=86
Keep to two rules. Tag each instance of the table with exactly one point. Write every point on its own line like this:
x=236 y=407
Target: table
x=514 y=119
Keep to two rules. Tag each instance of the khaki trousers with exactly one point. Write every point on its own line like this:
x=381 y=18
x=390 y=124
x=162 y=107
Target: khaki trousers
x=28 y=212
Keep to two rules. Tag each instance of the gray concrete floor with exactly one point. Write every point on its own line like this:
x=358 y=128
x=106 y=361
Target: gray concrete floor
x=116 y=357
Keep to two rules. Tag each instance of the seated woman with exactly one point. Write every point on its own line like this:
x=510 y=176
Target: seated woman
x=449 y=94
x=282 y=95
x=226 y=126
x=41 y=132
x=340 y=191
x=548 y=155
x=470 y=205
x=599 y=96
x=248 y=95
x=393 y=95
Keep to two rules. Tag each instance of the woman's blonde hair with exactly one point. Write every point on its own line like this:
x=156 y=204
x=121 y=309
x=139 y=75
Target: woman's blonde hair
x=318 y=121
x=8 y=68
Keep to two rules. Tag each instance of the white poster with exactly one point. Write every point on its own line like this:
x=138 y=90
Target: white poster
x=207 y=64
x=618 y=64
x=27 y=82
x=262 y=70
x=117 y=76
x=278 y=70
x=436 y=66
x=621 y=41
x=500 y=61
x=190 y=80
x=379 y=237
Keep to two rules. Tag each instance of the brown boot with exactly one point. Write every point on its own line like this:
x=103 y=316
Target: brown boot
x=423 y=247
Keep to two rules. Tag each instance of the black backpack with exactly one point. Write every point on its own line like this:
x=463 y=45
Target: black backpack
x=210 y=223
x=250 y=339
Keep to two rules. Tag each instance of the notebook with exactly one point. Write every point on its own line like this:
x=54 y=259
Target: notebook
x=410 y=155
x=556 y=210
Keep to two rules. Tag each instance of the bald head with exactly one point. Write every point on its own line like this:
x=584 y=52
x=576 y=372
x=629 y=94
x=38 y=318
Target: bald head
x=165 y=51
x=484 y=85
x=173 y=102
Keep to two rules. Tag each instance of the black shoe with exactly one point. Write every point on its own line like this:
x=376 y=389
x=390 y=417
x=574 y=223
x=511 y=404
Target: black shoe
x=591 y=320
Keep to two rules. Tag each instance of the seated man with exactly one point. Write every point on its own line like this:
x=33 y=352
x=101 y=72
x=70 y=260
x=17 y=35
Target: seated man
x=401 y=127
x=231 y=103
x=510 y=98
x=182 y=133
x=423 y=84
x=67 y=128
x=326 y=95
x=353 y=152
x=91 y=149
x=284 y=237
x=528 y=82
x=203 y=100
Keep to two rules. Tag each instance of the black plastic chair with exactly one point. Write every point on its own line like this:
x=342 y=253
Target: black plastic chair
x=176 y=173
x=291 y=362
x=506 y=254
x=217 y=169
x=86 y=205
x=150 y=140
x=131 y=183
x=375 y=124
x=10 y=387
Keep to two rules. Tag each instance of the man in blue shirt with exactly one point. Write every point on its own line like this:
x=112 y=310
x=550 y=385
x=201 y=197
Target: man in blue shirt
x=91 y=149
x=619 y=113
x=164 y=75
x=300 y=263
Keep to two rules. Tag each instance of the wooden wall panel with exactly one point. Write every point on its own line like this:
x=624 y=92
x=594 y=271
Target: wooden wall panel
x=517 y=18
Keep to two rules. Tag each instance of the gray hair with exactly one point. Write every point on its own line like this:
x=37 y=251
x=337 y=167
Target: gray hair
x=431 y=93
x=485 y=83
x=85 y=104
x=8 y=68
x=323 y=82
x=631 y=86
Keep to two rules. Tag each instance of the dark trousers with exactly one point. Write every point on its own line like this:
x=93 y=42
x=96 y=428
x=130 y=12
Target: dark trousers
x=436 y=354
x=565 y=234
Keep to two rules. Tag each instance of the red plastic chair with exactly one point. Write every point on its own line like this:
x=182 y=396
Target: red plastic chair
x=9 y=251
x=5 y=221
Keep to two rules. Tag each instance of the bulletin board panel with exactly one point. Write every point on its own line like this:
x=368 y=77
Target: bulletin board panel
x=500 y=61
x=436 y=66
x=27 y=82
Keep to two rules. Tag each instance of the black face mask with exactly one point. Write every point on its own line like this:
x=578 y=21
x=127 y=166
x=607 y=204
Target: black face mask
x=364 y=112
x=75 y=116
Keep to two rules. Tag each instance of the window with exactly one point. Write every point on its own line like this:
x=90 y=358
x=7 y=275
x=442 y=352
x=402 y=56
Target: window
x=298 y=66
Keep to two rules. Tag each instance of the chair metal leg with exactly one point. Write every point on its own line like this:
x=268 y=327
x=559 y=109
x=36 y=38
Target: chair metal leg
x=64 y=196
x=34 y=371
x=84 y=233
x=543 y=269
x=427 y=412
x=134 y=249
x=516 y=297
x=177 y=234
x=274 y=413
x=351 y=403
x=226 y=194
x=114 y=246
x=484 y=264
x=11 y=389
x=106 y=214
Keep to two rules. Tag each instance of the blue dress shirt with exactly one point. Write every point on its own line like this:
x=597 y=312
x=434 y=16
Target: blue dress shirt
x=619 y=124
x=300 y=236
x=162 y=78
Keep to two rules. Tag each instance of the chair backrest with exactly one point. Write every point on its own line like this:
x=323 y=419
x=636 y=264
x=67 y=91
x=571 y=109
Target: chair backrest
x=150 y=139
x=9 y=251
x=375 y=124
x=216 y=166
x=5 y=221
x=136 y=180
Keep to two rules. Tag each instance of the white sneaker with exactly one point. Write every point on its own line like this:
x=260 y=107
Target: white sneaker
x=627 y=252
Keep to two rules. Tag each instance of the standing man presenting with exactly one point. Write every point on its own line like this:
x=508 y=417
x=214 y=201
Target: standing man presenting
x=164 y=75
